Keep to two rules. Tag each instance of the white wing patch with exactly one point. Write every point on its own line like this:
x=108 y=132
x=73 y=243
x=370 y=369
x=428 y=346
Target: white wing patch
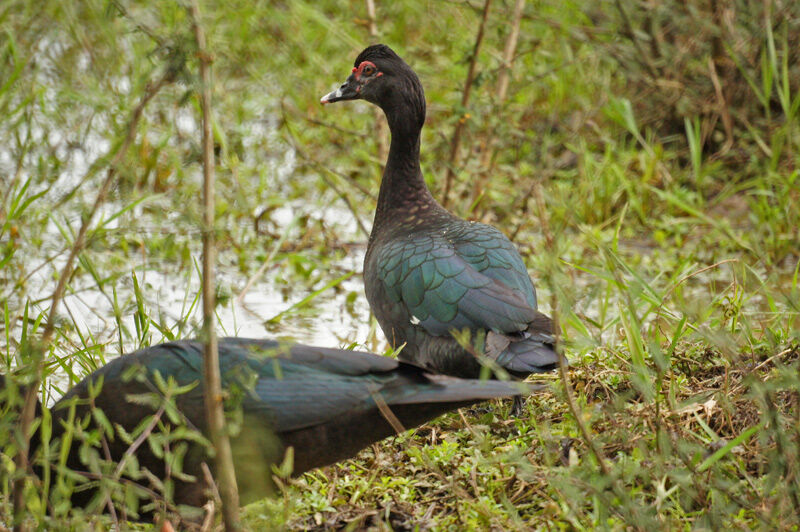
x=414 y=320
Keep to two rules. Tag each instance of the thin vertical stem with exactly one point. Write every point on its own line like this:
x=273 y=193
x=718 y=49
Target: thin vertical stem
x=39 y=347
x=508 y=52
x=503 y=79
x=594 y=447
x=456 y=140
x=225 y=474
x=562 y=367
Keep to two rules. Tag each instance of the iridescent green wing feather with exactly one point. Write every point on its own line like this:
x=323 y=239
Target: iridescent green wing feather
x=443 y=291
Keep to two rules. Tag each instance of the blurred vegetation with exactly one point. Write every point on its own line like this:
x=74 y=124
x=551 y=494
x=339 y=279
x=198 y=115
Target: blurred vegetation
x=664 y=137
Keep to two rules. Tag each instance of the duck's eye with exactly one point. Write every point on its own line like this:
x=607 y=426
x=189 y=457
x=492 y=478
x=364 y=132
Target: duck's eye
x=368 y=70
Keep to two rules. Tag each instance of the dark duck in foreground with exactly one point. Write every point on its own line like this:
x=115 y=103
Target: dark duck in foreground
x=428 y=273
x=327 y=404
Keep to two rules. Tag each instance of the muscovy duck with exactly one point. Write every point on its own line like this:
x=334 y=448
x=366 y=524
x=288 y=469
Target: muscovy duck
x=327 y=404
x=428 y=273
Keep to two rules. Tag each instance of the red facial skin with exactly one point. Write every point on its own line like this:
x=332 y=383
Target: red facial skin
x=360 y=70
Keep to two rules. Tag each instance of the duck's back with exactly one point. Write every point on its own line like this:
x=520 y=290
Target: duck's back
x=326 y=404
x=426 y=276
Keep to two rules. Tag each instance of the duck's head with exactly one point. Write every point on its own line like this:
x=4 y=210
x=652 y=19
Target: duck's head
x=381 y=77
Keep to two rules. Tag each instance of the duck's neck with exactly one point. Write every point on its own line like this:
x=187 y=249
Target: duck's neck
x=402 y=185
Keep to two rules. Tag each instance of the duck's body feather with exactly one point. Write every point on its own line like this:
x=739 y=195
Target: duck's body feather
x=327 y=404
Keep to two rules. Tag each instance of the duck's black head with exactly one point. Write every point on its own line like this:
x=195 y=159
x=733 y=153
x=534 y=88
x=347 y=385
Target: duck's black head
x=381 y=77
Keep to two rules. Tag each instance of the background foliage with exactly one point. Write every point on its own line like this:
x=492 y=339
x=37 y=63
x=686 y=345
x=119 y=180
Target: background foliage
x=664 y=137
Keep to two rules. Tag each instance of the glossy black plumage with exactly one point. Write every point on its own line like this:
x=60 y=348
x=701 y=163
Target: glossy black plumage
x=325 y=403
x=428 y=273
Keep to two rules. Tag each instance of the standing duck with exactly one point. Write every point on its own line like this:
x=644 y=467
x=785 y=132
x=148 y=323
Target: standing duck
x=327 y=404
x=428 y=273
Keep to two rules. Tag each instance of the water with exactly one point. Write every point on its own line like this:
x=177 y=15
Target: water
x=169 y=289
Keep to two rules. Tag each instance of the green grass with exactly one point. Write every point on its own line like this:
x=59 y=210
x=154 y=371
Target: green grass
x=674 y=214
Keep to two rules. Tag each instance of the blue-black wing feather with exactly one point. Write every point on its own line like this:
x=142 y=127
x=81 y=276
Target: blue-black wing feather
x=471 y=277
